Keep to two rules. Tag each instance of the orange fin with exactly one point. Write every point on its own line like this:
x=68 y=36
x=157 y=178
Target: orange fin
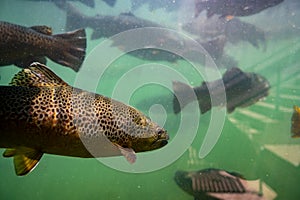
x=229 y=17
x=25 y=159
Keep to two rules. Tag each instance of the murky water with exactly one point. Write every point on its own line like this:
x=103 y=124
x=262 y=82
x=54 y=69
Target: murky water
x=255 y=141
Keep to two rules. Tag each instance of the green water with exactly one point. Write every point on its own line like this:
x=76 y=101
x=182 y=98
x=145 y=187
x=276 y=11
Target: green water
x=251 y=141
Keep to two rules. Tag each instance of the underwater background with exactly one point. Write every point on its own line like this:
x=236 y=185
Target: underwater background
x=255 y=141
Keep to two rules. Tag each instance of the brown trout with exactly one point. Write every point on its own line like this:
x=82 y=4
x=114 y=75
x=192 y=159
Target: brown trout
x=21 y=46
x=233 y=7
x=295 y=126
x=104 y=25
x=242 y=89
x=40 y=113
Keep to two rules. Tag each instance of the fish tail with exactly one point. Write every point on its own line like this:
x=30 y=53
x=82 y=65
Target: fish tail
x=182 y=94
x=70 y=49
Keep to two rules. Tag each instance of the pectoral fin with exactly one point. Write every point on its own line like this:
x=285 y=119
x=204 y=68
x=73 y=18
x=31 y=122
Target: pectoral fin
x=25 y=159
x=128 y=153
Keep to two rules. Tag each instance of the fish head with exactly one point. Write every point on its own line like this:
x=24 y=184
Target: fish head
x=147 y=135
x=260 y=87
x=257 y=89
x=135 y=130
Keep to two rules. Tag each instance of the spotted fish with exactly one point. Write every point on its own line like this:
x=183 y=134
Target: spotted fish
x=212 y=184
x=295 y=127
x=104 y=25
x=233 y=7
x=40 y=113
x=20 y=45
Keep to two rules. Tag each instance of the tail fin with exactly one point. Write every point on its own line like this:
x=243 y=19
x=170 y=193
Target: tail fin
x=70 y=49
x=183 y=94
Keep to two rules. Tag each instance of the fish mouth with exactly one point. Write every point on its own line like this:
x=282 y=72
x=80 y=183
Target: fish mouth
x=161 y=141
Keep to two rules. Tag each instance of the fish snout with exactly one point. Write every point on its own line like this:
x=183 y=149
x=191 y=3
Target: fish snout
x=162 y=138
x=162 y=134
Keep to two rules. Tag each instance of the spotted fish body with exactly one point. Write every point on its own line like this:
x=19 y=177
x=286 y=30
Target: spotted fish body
x=20 y=45
x=40 y=114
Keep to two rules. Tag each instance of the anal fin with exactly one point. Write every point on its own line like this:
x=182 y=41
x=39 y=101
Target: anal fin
x=25 y=159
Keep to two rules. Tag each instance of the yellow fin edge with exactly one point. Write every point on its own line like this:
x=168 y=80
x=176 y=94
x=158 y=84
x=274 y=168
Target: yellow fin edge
x=25 y=159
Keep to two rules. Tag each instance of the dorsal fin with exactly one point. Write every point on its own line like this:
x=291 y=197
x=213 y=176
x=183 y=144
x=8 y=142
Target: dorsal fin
x=43 y=29
x=37 y=74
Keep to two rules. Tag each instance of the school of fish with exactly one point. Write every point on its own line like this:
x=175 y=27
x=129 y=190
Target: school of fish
x=41 y=114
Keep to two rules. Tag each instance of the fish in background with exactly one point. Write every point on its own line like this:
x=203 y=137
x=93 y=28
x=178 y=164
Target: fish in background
x=295 y=126
x=237 y=31
x=242 y=89
x=213 y=184
x=287 y=23
x=107 y=26
x=40 y=113
x=233 y=30
x=167 y=5
x=104 y=25
x=215 y=49
x=233 y=7
x=20 y=45
x=153 y=44
x=89 y=3
x=111 y=3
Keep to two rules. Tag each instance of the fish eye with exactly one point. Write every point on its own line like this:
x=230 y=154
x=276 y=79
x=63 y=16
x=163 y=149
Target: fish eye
x=160 y=132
